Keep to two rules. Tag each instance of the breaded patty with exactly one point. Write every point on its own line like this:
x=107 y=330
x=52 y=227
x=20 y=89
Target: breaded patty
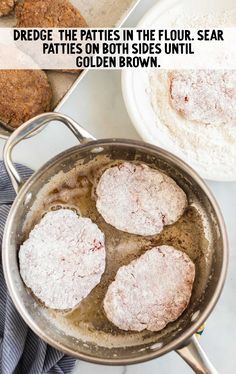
x=48 y=13
x=6 y=6
x=23 y=95
x=63 y=259
x=204 y=96
x=151 y=291
x=138 y=199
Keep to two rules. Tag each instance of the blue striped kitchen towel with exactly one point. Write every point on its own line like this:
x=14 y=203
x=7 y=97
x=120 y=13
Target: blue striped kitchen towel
x=21 y=351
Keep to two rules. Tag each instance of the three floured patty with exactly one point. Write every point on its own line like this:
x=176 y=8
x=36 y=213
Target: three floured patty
x=204 y=96
x=138 y=199
x=6 y=6
x=151 y=291
x=63 y=259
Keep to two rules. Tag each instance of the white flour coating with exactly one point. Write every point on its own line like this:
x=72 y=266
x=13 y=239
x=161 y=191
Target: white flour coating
x=63 y=259
x=205 y=140
x=151 y=291
x=205 y=96
x=138 y=199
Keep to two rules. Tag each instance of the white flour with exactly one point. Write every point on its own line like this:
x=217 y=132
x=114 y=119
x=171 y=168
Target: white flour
x=151 y=291
x=63 y=259
x=204 y=96
x=145 y=199
x=208 y=147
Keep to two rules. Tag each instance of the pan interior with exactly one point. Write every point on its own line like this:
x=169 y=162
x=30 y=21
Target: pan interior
x=70 y=181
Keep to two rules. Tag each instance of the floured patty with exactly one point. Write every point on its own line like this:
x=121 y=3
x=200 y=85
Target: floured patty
x=23 y=95
x=138 y=199
x=48 y=13
x=6 y=6
x=205 y=96
x=63 y=259
x=151 y=291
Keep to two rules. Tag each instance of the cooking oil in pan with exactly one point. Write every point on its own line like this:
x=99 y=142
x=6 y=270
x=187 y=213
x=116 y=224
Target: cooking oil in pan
x=76 y=190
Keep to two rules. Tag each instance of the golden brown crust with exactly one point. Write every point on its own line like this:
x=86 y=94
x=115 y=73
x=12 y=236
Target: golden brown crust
x=48 y=13
x=23 y=95
x=6 y=6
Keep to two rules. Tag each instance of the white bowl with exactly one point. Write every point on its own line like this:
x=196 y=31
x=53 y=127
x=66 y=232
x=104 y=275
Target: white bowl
x=136 y=87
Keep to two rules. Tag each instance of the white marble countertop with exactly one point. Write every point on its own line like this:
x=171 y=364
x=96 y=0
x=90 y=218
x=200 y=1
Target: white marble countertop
x=98 y=105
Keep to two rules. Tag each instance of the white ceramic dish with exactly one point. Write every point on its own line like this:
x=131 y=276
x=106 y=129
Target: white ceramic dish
x=136 y=88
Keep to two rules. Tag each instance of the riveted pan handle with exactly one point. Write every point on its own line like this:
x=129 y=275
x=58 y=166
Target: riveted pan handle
x=196 y=358
x=30 y=127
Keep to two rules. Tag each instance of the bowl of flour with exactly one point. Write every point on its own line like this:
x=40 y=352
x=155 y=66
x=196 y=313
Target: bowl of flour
x=190 y=113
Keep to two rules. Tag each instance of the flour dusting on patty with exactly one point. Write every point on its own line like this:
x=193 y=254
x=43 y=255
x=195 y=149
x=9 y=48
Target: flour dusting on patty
x=205 y=96
x=151 y=291
x=138 y=199
x=63 y=259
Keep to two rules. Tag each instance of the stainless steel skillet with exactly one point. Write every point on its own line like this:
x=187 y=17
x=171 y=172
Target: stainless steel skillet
x=207 y=288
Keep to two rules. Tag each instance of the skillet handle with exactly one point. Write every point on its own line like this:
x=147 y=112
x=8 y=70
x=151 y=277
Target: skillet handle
x=30 y=127
x=196 y=358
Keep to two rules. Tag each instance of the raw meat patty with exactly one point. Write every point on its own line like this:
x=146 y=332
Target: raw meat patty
x=138 y=199
x=6 y=6
x=63 y=259
x=205 y=96
x=48 y=13
x=151 y=291
x=23 y=95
